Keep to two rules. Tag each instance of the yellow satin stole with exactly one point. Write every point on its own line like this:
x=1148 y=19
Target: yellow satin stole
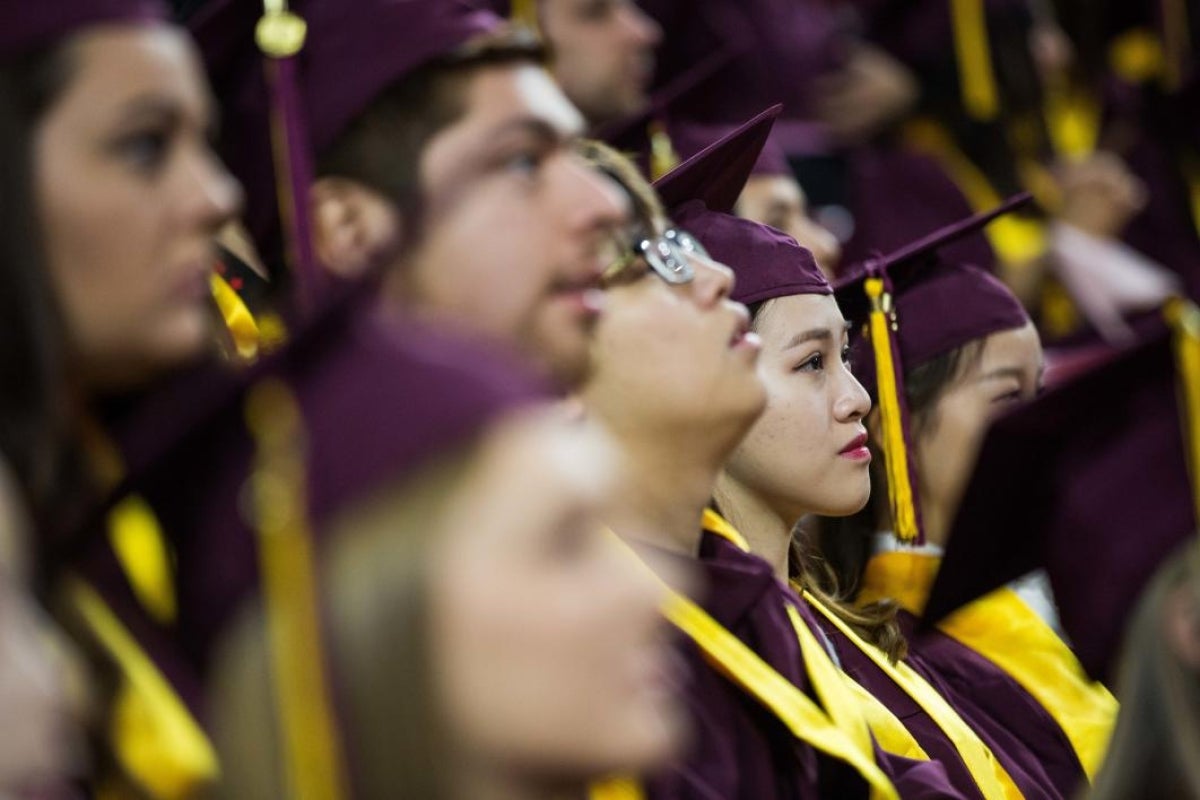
x=838 y=729
x=1007 y=632
x=990 y=777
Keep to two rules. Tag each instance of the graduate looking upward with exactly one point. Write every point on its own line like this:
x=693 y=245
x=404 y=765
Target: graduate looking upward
x=675 y=381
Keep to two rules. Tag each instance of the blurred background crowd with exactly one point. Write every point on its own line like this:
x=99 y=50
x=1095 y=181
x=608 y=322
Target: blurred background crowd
x=608 y=399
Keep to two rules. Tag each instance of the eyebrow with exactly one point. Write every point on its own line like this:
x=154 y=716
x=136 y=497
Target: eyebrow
x=154 y=106
x=534 y=126
x=1006 y=372
x=813 y=334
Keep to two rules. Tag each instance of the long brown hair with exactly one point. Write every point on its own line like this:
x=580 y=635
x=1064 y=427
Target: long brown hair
x=34 y=402
x=374 y=592
x=1153 y=749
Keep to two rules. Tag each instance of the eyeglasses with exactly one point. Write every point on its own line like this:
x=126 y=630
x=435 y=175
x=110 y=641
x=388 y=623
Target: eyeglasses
x=667 y=254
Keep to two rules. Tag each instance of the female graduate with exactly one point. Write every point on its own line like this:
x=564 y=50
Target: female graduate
x=970 y=353
x=908 y=715
x=675 y=380
x=809 y=454
x=112 y=196
x=778 y=475
x=106 y=116
x=487 y=638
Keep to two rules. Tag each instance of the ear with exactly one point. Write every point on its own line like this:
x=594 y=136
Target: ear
x=1182 y=625
x=354 y=227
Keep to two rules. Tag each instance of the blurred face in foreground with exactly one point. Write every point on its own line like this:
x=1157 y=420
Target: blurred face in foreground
x=549 y=653
x=603 y=54
x=130 y=195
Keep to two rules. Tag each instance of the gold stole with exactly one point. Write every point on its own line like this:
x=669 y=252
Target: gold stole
x=1004 y=630
x=990 y=777
x=841 y=732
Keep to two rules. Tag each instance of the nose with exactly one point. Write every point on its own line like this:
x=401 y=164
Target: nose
x=852 y=403
x=818 y=239
x=713 y=281
x=641 y=27
x=217 y=196
x=825 y=247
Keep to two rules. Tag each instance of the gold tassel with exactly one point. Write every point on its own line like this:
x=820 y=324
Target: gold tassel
x=974 y=60
x=524 y=12
x=243 y=329
x=616 y=789
x=312 y=759
x=1184 y=318
x=900 y=492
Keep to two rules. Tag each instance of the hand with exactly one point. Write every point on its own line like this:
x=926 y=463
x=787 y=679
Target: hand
x=1100 y=195
x=866 y=96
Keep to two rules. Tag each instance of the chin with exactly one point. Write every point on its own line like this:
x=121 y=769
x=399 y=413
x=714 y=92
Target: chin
x=846 y=506
x=649 y=742
x=186 y=339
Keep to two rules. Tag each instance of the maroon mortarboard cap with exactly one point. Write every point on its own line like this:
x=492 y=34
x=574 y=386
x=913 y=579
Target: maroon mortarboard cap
x=378 y=400
x=768 y=263
x=1090 y=482
x=939 y=305
x=350 y=54
x=31 y=26
x=702 y=191
x=690 y=138
x=905 y=309
x=716 y=174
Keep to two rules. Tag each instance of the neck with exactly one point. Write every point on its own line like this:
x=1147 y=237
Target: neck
x=664 y=488
x=935 y=522
x=768 y=533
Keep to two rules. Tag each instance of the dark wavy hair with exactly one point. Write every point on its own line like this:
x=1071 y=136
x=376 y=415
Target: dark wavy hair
x=33 y=403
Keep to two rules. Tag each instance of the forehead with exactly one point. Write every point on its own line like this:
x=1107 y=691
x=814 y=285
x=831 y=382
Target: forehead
x=784 y=317
x=116 y=65
x=503 y=94
x=1017 y=348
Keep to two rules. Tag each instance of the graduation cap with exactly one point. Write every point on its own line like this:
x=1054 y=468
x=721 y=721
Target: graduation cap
x=1094 y=482
x=291 y=80
x=701 y=193
x=716 y=174
x=29 y=27
x=689 y=138
x=909 y=307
